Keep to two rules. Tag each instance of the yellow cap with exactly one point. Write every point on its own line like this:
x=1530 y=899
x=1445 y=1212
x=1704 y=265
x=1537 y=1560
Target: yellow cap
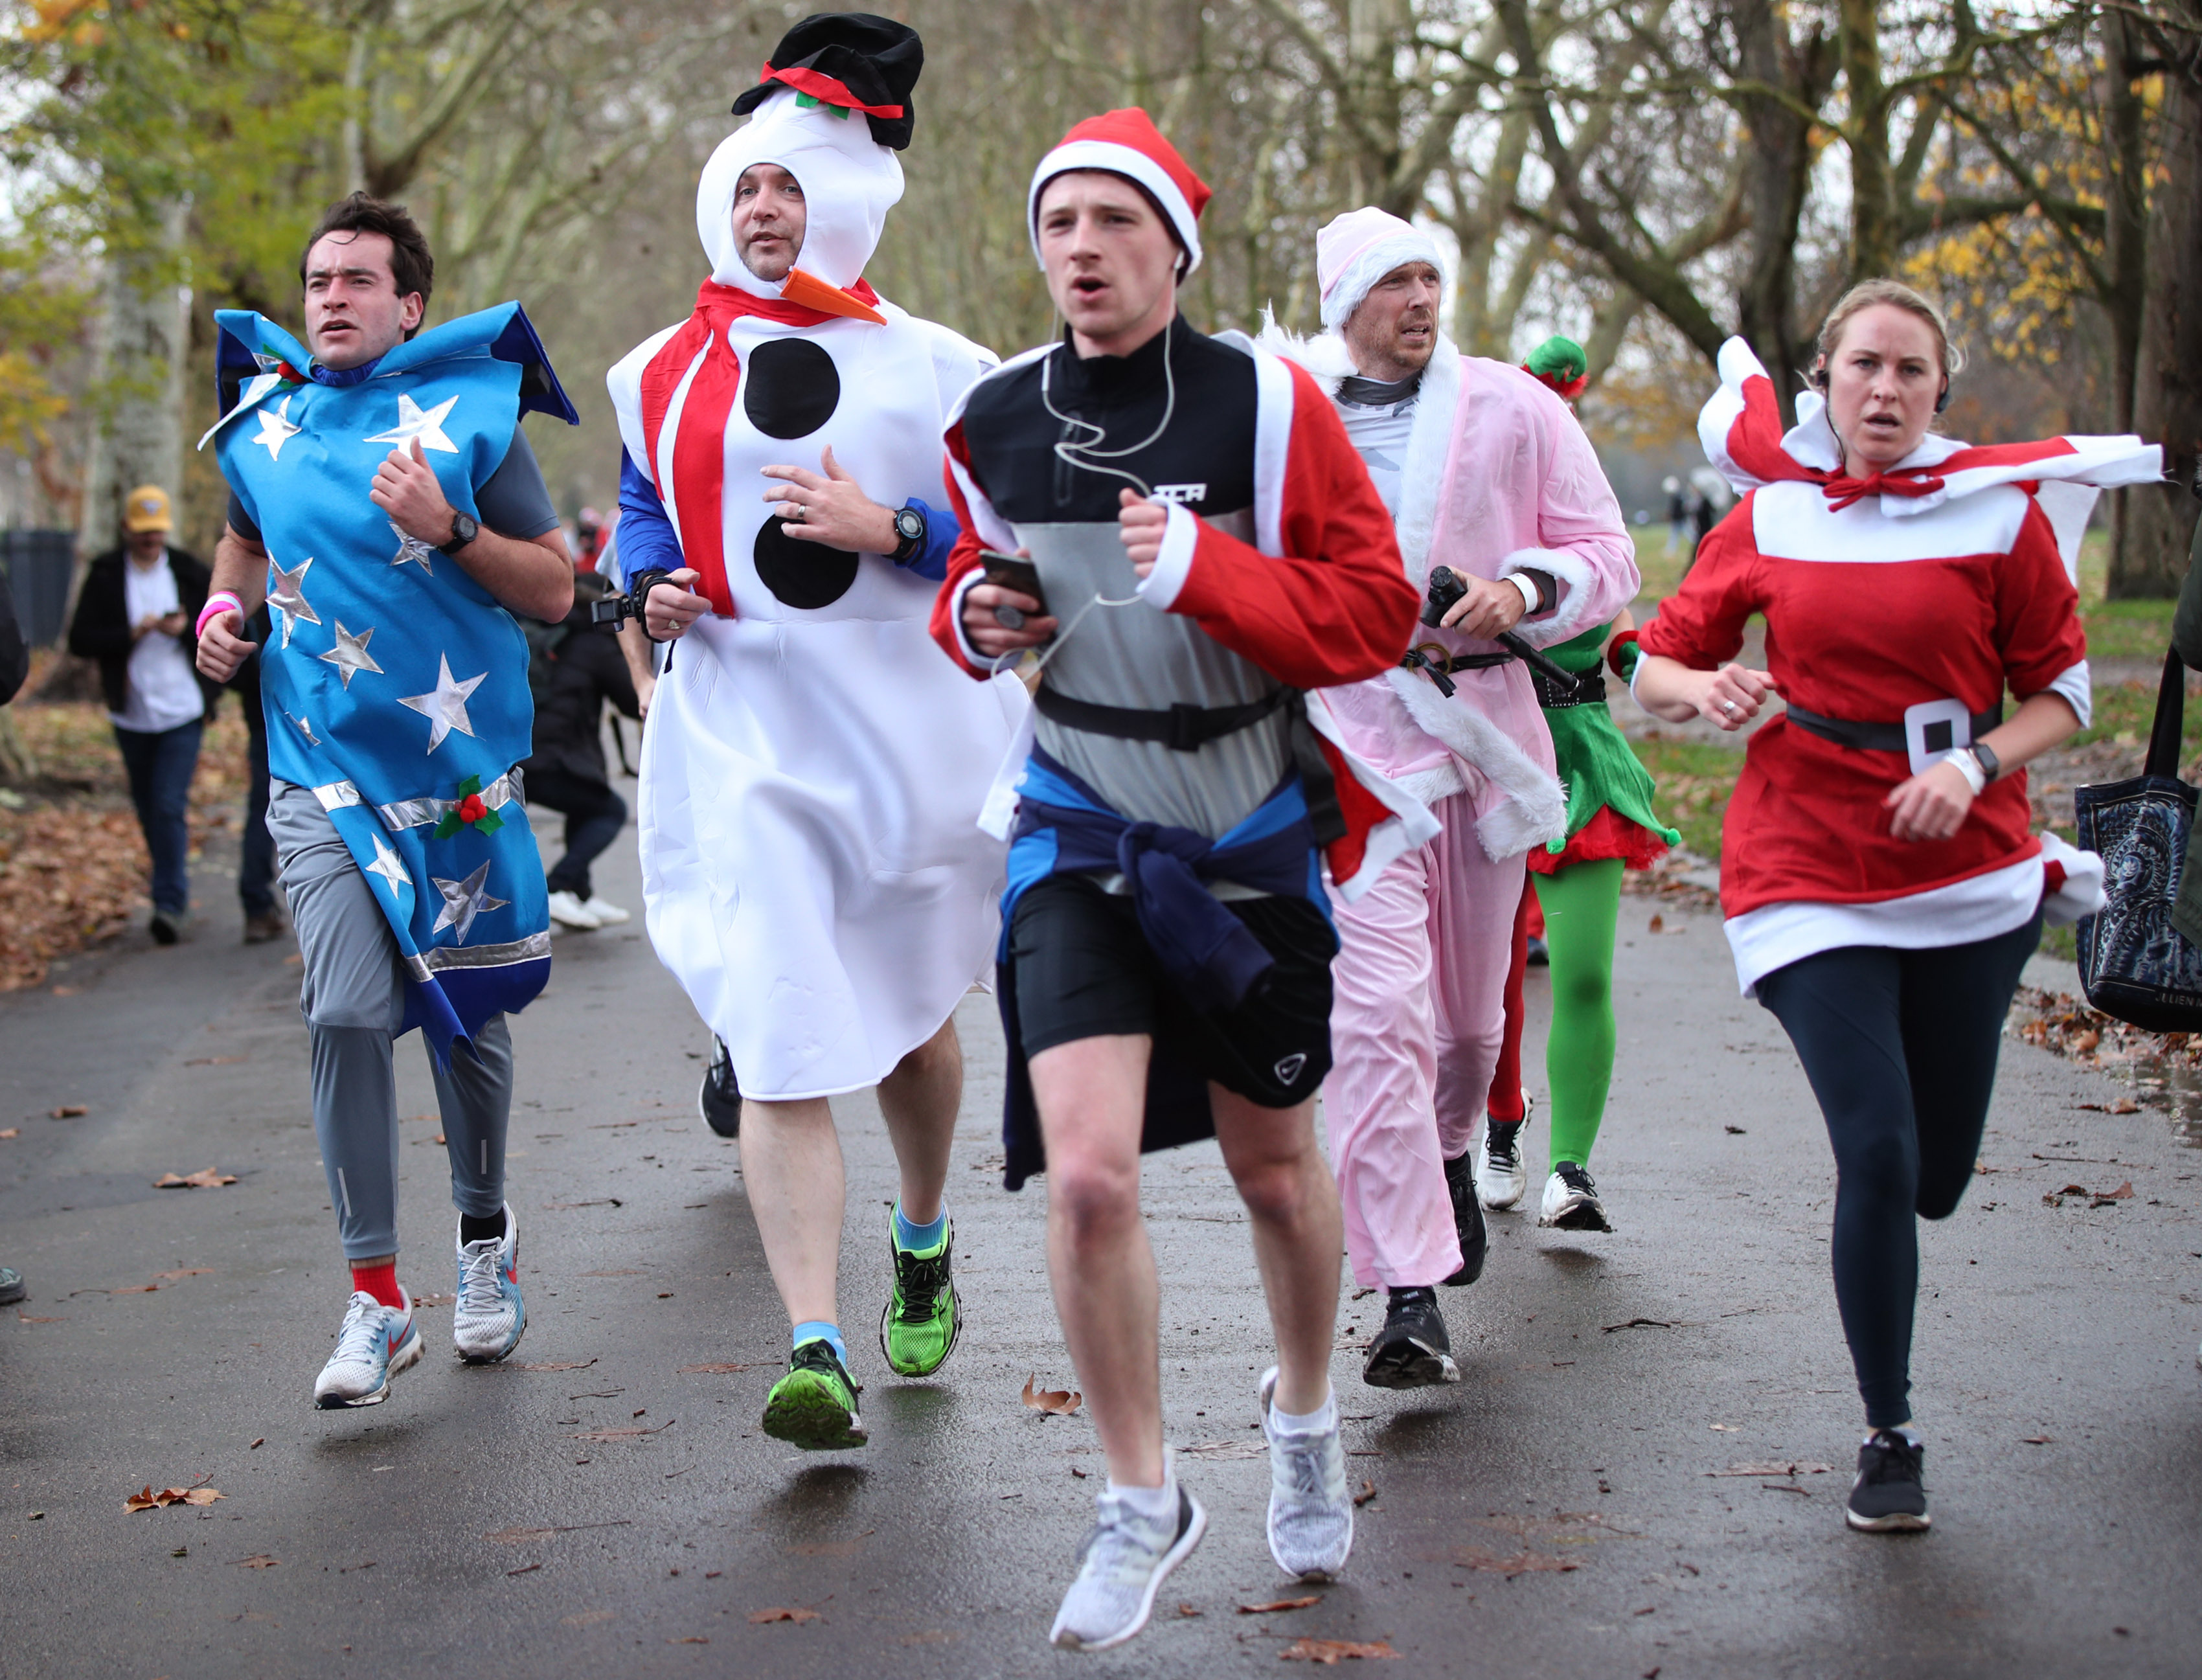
x=147 y=510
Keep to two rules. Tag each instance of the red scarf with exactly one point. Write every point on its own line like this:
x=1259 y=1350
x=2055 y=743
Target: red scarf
x=699 y=457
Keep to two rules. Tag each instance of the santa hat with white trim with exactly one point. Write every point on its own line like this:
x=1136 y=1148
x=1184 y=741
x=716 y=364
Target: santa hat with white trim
x=1126 y=143
x=1355 y=251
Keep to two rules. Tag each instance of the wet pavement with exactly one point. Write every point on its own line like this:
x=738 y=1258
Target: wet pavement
x=1608 y=1494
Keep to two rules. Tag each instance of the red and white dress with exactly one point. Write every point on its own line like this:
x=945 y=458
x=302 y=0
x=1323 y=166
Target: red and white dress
x=1941 y=579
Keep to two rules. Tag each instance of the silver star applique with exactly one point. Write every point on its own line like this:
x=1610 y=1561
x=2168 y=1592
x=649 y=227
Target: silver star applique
x=463 y=900
x=392 y=868
x=288 y=597
x=445 y=707
x=349 y=656
x=427 y=425
x=276 y=429
x=410 y=547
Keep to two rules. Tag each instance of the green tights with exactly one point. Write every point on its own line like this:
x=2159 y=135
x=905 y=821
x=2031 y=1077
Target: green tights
x=1581 y=906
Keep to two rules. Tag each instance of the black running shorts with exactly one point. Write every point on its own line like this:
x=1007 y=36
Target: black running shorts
x=1082 y=969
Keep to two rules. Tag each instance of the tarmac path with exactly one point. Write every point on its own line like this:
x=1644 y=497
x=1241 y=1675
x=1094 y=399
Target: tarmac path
x=1563 y=1511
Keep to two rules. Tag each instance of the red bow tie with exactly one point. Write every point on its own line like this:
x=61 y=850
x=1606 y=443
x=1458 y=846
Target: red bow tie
x=1841 y=491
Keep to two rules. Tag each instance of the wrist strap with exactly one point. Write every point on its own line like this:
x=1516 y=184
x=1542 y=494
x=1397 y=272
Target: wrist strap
x=217 y=604
x=1969 y=767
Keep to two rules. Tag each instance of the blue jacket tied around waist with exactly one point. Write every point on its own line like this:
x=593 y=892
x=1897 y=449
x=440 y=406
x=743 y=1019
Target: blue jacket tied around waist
x=396 y=687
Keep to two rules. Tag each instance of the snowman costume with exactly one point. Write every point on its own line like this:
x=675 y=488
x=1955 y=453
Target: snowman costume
x=812 y=768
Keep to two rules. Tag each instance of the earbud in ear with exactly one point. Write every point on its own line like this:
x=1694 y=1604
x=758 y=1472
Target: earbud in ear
x=1819 y=379
x=1942 y=401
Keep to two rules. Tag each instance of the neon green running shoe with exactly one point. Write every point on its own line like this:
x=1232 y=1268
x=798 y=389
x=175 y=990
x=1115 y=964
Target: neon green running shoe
x=923 y=1316
x=814 y=1404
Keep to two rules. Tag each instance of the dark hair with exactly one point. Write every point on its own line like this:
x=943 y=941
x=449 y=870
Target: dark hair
x=412 y=268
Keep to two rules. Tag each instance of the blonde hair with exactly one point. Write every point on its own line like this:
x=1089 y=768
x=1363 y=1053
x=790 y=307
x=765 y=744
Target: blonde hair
x=1865 y=296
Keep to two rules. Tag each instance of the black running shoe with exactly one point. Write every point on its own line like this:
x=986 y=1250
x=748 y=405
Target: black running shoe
x=1890 y=1494
x=719 y=1101
x=1467 y=1221
x=1412 y=1351
x=1539 y=958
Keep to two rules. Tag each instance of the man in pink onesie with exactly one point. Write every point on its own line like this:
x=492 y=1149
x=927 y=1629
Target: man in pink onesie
x=1485 y=471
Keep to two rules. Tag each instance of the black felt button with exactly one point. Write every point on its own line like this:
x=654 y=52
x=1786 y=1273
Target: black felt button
x=802 y=574
x=791 y=389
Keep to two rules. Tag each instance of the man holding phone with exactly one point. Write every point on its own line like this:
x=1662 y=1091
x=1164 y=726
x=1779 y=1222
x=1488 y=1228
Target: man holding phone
x=1207 y=547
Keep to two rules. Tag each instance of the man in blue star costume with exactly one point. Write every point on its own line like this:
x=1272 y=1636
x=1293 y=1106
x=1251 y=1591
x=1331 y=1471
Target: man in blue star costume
x=371 y=483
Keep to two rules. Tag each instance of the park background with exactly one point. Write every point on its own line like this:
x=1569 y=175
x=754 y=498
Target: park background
x=1647 y=177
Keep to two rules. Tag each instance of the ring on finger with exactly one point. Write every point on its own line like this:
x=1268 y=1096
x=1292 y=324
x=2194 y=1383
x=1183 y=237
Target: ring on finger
x=796 y=513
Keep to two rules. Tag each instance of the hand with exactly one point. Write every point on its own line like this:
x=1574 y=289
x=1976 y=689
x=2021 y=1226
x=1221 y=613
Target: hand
x=673 y=606
x=1139 y=525
x=172 y=624
x=1931 y=806
x=223 y=646
x=831 y=509
x=1733 y=695
x=988 y=634
x=1487 y=608
x=406 y=488
x=644 y=691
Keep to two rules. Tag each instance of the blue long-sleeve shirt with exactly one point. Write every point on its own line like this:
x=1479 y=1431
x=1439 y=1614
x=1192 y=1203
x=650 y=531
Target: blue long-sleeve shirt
x=645 y=541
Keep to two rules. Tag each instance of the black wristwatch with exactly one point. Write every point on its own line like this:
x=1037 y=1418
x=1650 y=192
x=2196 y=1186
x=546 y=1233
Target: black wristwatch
x=1984 y=756
x=463 y=531
x=909 y=527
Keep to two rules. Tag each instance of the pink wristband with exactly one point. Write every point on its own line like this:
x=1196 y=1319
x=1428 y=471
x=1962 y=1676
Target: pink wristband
x=216 y=605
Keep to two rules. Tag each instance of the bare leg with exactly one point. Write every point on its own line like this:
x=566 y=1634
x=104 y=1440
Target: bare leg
x=918 y=1100
x=1092 y=1094
x=1299 y=1235
x=791 y=1164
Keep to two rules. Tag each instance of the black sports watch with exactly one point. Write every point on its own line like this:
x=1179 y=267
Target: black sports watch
x=1984 y=756
x=463 y=531
x=910 y=528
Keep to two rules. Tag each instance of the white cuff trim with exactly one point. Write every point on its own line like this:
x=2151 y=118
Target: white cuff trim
x=1173 y=563
x=2077 y=690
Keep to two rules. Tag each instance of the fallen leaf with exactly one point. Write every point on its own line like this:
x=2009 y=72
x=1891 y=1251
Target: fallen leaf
x=26 y=1318
x=1279 y=1604
x=1225 y=1449
x=199 y=1496
x=1658 y=925
x=1367 y=1492
x=70 y=1111
x=1521 y=1563
x=1330 y=1652
x=186 y=1271
x=690 y=1639
x=622 y=1435
x=257 y=1441
x=149 y=1501
x=1078 y=1473
x=2037 y=1439
x=12 y=1131
x=1060 y=1402
x=136 y=1289
x=142 y=1501
x=1800 y=1467
x=759 y=1617
x=1187 y=1610
x=1726 y=1429
x=2124 y=1193
x=259 y=1560
x=206 y=1178
x=2123 y=1105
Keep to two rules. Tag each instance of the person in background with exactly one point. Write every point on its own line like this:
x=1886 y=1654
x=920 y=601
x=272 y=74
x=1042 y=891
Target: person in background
x=573 y=668
x=14 y=666
x=134 y=616
x=1678 y=514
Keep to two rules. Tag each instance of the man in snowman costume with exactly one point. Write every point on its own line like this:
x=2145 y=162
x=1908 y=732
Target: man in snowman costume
x=812 y=770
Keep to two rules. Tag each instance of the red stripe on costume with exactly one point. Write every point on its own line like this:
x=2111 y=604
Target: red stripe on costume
x=2004 y=455
x=826 y=90
x=1363 y=810
x=1754 y=437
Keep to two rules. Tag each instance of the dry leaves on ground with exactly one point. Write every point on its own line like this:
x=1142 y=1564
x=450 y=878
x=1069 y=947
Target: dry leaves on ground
x=185 y=1271
x=759 y=1617
x=206 y=1178
x=1367 y=1492
x=2093 y=1198
x=1780 y=1467
x=1248 y=1448
x=1330 y=1652
x=1060 y=1402
x=2065 y=1025
x=622 y=1434
x=149 y=1501
x=548 y=1365
x=258 y=1560
x=1279 y=1604
x=68 y=1111
x=1519 y=1563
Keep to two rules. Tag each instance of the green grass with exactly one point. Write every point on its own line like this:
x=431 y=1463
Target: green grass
x=1695 y=779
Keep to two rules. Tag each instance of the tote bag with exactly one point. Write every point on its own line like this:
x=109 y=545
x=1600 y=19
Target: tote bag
x=2134 y=963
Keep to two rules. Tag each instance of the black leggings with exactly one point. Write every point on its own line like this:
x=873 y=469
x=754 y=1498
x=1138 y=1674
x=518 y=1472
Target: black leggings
x=1900 y=1046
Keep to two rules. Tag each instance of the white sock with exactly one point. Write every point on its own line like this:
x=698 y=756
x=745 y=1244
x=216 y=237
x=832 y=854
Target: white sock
x=1321 y=1421
x=1904 y=1428
x=1154 y=1505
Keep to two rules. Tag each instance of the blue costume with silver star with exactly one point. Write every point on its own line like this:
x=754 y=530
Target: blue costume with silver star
x=396 y=685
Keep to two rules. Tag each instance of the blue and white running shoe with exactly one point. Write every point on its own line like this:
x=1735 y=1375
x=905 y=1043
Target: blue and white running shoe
x=373 y=1344
x=487 y=1318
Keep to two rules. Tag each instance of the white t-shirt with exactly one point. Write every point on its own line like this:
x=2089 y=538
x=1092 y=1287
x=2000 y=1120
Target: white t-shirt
x=163 y=694
x=1381 y=435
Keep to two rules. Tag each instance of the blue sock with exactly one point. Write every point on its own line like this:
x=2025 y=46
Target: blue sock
x=817 y=1330
x=917 y=1239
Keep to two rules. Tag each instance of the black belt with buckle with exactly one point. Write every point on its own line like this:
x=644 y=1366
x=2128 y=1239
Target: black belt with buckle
x=1432 y=659
x=1182 y=727
x=1882 y=736
x=1588 y=685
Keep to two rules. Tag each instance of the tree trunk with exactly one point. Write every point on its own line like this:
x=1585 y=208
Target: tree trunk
x=1777 y=176
x=2124 y=298
x=138 y=422
x=2168 y=391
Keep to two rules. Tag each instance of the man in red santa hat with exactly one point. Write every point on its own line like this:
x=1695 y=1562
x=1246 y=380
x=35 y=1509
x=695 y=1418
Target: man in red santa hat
x=1203 y=547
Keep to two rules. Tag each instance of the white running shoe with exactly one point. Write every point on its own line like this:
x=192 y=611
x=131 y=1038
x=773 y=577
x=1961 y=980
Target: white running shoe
x=607 y=915
x=1310 y=1507
x=1571 y=1200
x=1501 y=1179
x=1123 y=1564
x=488 y=1317
x=569 y=911
x=373 y=1344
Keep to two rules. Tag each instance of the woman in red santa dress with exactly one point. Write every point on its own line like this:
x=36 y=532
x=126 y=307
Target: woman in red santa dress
x=1880 y=885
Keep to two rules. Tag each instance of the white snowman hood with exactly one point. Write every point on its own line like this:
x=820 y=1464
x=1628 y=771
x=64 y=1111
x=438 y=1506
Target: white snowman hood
x=850 y=182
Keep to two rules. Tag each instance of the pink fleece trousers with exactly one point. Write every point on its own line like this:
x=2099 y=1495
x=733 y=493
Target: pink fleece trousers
x=1416 y=1019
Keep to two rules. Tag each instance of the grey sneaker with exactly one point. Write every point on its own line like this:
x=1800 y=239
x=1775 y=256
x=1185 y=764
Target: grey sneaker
x=12 y=1286
x=1124 y=1561
x=1311 y=1510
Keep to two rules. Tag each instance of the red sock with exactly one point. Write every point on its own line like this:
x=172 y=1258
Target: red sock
x=1505 y=1103
x=380 y=1281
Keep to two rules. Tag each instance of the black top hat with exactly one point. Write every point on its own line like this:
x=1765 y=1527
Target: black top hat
x=853 y=60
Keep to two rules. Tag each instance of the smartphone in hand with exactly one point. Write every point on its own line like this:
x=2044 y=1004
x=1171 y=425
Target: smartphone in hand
x=1008 y=571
